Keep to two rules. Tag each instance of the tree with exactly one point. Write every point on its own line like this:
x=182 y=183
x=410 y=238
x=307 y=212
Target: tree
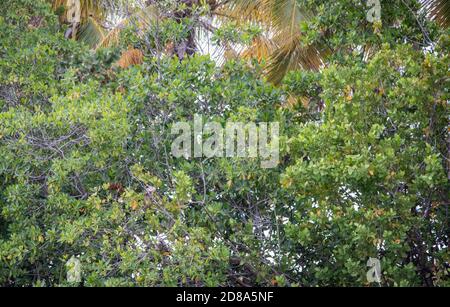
x=373 y=187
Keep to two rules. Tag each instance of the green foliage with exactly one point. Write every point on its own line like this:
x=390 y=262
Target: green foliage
x=231 y=33
x=32 y=57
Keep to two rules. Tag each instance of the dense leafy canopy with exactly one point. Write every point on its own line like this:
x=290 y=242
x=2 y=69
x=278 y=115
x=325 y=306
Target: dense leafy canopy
x=86 y=169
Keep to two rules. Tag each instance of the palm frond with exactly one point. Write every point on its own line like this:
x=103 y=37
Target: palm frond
x=438 y=10
x=286 y=14
x=292 y=55
x=112 y=38
x=261 y=49
x=245 y=10
x=142 y=19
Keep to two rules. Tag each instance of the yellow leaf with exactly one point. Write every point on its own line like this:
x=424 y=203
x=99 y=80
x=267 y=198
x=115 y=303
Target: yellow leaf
x=348 y=93
x=134 y=205
x=286 y=182
x=230 y=183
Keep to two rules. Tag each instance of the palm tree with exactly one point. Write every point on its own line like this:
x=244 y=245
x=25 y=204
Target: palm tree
x=279 y=18
x=279 y=44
